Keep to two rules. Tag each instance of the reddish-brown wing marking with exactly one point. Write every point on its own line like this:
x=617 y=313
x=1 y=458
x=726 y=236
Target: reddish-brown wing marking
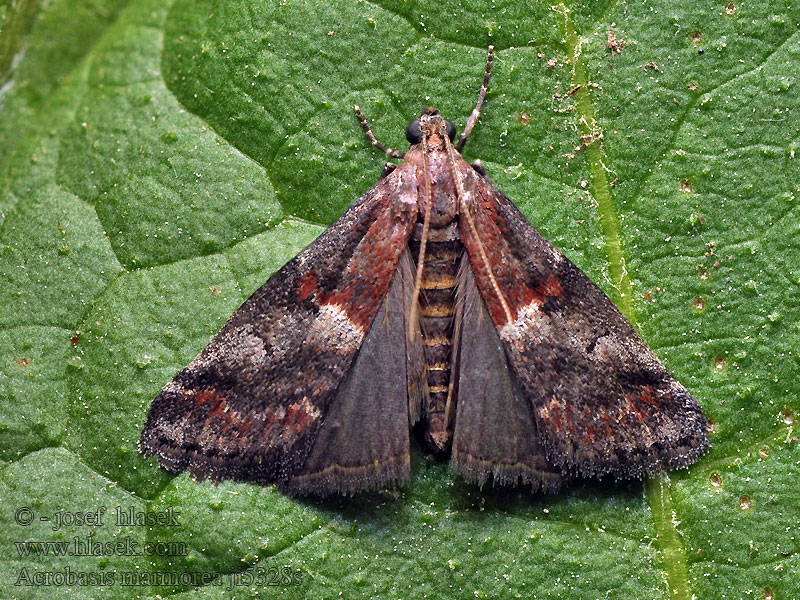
x=601 y=400
x=260 y=402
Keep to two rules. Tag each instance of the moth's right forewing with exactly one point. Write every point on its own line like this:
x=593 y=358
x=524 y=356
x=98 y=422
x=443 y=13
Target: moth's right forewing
x=602 y=401
x=495 y=436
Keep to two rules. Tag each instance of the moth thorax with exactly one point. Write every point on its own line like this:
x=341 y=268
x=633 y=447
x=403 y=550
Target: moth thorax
x=436 y=309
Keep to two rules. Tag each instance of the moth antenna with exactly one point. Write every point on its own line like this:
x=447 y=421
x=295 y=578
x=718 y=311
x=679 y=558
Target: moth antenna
x=465 y=210
x=426 y=224
x=389 y=152
x=476 y=112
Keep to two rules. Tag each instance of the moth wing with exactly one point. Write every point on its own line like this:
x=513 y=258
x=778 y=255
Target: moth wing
x=495 y=434
x=363 y=443
x=601 y=399
x=252 y=403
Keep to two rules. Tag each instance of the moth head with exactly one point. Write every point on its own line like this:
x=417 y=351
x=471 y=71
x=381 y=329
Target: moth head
x=430 y=123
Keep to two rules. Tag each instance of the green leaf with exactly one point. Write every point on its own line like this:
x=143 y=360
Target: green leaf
x=159 y=160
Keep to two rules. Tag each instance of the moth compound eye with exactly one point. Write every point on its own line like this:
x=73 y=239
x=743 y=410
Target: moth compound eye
x=413 y=134
x=451 y=130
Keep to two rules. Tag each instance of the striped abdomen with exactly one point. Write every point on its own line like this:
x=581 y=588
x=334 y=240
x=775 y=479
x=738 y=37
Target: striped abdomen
x=436 y=309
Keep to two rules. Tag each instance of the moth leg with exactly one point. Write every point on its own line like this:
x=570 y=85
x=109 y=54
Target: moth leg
x=477 y=166
x=476 y=112
x=387 y=169
x=389 y=152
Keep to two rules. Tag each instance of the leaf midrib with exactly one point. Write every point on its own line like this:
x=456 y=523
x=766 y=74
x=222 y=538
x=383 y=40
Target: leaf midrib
x=658 y=493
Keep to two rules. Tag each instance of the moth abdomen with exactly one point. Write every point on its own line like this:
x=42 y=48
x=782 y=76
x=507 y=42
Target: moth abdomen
x=436 y=315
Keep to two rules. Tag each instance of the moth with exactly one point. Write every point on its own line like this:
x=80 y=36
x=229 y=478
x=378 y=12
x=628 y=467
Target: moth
x=432 y=305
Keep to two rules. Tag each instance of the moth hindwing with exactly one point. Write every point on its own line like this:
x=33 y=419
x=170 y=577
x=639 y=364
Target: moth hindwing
x=432 y=300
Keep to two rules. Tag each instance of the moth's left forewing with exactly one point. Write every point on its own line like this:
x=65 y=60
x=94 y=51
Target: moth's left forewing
x=601 y=399
x=363 y=442
x=251 y=404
